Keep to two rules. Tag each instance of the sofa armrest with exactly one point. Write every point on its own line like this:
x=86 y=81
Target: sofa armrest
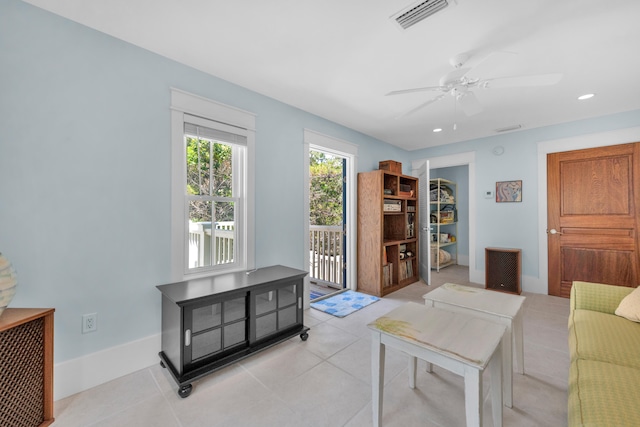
x=597 y=296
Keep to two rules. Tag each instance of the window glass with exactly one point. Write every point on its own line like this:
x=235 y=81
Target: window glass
x=211 y=200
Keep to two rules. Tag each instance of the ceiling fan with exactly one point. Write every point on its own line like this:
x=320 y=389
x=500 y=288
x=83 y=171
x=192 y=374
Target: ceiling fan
x=460 y=81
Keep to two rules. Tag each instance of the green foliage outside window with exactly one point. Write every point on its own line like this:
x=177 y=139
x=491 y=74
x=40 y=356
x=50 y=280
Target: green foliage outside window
x=209 y=173
x=325 y=192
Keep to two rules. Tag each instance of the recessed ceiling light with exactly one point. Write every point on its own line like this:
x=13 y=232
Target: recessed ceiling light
x=586 y=96
x=437 y=130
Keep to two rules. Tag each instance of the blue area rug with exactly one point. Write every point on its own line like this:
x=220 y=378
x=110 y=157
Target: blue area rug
x=343 y=304
x=313 y=295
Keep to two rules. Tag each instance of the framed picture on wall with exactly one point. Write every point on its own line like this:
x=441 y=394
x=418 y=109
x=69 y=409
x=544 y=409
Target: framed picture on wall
x=508 y=191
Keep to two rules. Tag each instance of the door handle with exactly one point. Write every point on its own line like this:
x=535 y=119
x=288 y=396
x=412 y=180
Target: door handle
x=554 y=231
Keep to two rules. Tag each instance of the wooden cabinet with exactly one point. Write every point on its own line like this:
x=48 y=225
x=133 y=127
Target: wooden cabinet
x=26 y=367
x=387 y=231
x=503 y=268
x=211 y=322
x=443 y=222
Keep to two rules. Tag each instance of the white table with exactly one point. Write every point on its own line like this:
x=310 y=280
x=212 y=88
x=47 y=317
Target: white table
x=462 y=344
x=499 y=307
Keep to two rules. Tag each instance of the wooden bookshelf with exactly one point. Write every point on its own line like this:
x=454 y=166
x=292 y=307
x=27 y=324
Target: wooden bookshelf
x=387 y=238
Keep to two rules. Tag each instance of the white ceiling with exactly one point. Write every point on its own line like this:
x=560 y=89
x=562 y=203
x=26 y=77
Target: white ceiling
x=338 y=58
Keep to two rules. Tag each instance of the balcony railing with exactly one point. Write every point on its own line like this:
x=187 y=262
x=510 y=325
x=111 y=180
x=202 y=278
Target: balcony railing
x=201 y=243
x=325 y=261
x=326 y=247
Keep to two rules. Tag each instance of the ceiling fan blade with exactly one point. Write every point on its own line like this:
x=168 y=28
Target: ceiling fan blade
x=469 y=104
x=523 y=81
x=424 y=104
x=419 y=89
x=491 y=62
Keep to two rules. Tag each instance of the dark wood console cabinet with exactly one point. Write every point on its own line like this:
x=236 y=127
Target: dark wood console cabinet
x=211 y=322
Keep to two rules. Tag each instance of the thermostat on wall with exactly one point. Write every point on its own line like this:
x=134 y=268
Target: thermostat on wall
x=488 y=194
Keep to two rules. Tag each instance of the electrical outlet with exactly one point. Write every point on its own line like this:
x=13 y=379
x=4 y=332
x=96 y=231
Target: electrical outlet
x=89 y=323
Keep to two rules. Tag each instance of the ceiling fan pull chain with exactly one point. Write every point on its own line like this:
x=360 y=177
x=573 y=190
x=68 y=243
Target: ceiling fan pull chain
x=455 y=113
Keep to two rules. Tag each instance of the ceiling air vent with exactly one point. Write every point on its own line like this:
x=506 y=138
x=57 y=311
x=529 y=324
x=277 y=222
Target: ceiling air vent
x=509 y=128
x=419 y=11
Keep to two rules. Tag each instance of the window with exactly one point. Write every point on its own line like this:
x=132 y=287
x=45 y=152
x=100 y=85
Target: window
x=213 y=194
x=212 y=187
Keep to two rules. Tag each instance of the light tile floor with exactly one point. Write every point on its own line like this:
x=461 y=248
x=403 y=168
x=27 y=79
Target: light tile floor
x=326 y=381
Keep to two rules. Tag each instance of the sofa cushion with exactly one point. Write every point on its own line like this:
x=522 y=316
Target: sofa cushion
x=603 y=394
x=629 y=307
x=597 y=296
x=605 y=338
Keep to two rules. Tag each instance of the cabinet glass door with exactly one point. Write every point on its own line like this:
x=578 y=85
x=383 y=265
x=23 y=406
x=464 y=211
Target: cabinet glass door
x=215 y=327
x=287 y=306
x=277 y=309
x=266 y=315
x=235 y=322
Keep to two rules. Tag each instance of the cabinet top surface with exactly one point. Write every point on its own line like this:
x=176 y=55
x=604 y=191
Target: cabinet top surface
x=193 y=289
x=386 y=172
x=16 y=316
x=503 y=249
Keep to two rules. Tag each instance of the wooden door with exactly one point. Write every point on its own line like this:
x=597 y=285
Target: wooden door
x=593 y=209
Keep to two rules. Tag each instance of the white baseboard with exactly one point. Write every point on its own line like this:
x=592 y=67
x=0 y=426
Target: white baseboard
x=529 y=283
x=476 y=276
x=535 y=285
x=463 y=260
x=76 y=375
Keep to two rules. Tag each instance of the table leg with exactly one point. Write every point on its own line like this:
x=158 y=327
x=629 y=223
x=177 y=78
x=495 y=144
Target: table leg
x=413 y=363
x=377 y=377
x=495 y=370
x=507 y=366
x=430 y=303
x=518 y=342
x=473 y=396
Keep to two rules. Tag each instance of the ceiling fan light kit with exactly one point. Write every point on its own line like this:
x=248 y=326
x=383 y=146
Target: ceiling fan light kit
x=586 y=96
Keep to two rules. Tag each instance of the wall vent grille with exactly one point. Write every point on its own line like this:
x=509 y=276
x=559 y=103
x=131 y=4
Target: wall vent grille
x=509 y=128
x=416 y=13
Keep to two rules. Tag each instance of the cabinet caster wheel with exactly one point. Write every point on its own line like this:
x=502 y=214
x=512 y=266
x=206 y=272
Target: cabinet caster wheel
x=304 y=336
x=162 y=364
x=185 y=390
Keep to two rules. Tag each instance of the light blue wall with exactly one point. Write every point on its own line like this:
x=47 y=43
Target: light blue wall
x=515 y=225
x=85 y=173
x=459 y=175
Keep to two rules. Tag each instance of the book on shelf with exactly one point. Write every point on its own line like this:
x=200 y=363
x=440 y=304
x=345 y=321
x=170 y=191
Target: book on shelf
x=387 y=275
x=406 y=270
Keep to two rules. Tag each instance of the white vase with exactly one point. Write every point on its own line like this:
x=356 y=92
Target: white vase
x=8 y=283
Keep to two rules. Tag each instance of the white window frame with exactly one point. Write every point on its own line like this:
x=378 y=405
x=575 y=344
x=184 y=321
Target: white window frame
x=186 y=103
